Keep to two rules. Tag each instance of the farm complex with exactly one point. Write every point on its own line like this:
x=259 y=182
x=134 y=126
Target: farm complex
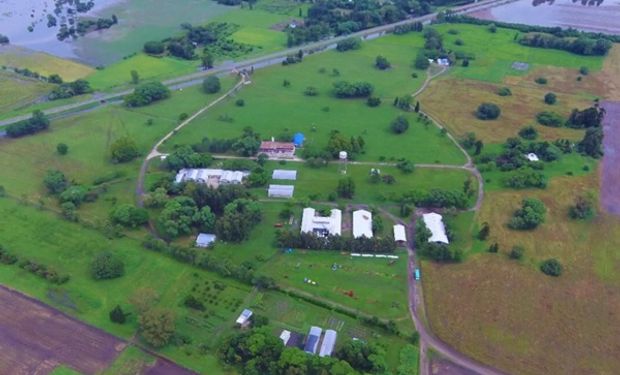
x=286 y=187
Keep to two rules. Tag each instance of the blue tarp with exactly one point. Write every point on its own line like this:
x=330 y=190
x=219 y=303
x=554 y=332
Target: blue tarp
x=298 y=139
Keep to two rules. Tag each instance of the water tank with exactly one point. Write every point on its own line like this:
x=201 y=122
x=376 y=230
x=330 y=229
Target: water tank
x=342 y=155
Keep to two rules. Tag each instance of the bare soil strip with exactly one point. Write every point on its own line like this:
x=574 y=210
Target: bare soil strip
x=166 y=367
x=610 y=172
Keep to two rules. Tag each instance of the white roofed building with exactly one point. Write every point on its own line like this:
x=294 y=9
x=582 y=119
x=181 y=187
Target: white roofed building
x=321 y=225
x=280 y=191
x=399 y=233
x=244 y=319
x=207 y=175
x=205 y=240
x=285 y=336
x=283 y=174
x=434 y=223
x=329 y=341
x=312 y=341
x=362 y=224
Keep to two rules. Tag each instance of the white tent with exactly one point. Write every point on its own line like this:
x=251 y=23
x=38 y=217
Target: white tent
x=362 y=224
x=280 y=191
x=329 y=341
x=399 y=233
x=434 y=223
x=532 y=157
x=282 y=174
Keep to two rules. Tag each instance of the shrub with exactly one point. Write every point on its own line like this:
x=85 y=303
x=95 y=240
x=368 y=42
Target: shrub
x=584 y=70
x=529 y=216
x=106 y=266
x=525 y=178
x=343 y=89
x=124 y=150
x=349 y=44
x=399 y=125
x=117 y=315
x=504 y=91
x=494 y=248
x=154 y=48
x=516 y=252
x=465 y=63
x=528 y=132
x=382 y=63
x=211 y=85
x=62 y=148
x=311 y=91
x=541 y=80
x=488 y=111
x=240 y=102
x=582 y=209
x=129 y=216
x=421 y=61
x=146 y=94
x=492 y=28
x=550 y=98
x=55 y=181
x=373 y=101
x=549 y=119
x=551 y=267
x=459 y=42
x=38 y=122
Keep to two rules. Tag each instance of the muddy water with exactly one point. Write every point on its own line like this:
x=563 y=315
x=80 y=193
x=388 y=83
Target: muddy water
x=25 y=22
x=139 y=22
x=596 y=16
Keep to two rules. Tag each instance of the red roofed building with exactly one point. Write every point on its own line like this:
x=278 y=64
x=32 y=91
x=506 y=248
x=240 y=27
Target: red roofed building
x=277 y=150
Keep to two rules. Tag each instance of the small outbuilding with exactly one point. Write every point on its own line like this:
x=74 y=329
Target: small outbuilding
x=283 y=174
x=280 y=191
x=328 y=344
x=400 y=234
x=244 y=319
x=312 y=341
x=362 y=224
x=532 y=157
x=205 y=240
x=434 y=223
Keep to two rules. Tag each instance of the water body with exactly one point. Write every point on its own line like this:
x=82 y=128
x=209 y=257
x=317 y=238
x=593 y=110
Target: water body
x=139 y=22
x=596 y=16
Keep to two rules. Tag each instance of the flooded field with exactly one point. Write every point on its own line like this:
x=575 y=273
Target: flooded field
x=596 y=16
x=27 y=23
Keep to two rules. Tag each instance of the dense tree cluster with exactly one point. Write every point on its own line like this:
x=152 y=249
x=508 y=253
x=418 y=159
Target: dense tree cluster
x=181 y=214
x=437 y=198
x=240 y=216
x=339 y=142
x=548 y=118
x=488 y=111
x=70 y=89
x=524 y=178
x=4 y=39
x=514 y=151
x=38 y=122
x=349 y=44
x=186 y=157
x=124 y=150
x=344 y=89
x=146 y=94
x=529 y=216
x=129 y=216
x=294 y=239
x=591 y=117
x=580 y=46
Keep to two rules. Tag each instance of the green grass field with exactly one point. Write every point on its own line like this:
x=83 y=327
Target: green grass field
x=495 y=53
x=18 y=92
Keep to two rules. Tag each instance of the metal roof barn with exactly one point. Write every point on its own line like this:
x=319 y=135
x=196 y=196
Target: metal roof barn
x=362 y=224
x=280 y=191
x=282 y=174
x=434 y=223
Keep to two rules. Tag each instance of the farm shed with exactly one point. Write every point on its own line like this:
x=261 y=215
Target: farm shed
x=434 y=223
x=312 y=342
x=362 y=224
x=283 y=174
x=205 y=240
x=280 y=191
x=321 y=225
x=277 y=149
x=329 y=341
x=244 y=319
x=399 y=233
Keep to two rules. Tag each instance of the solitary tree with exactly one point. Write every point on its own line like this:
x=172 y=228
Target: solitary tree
x=488 y=111
x=157 y=326
x=117 y=315
x=107 y=266
x=207 y=61
x=346 y=188
x=550 y=98
x=123 y=150
x=211 y=85
x=62 y=149
x=399 y=125
x=135 y=77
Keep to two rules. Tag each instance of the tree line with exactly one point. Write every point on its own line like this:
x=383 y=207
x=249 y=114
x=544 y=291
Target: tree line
x=286 y=238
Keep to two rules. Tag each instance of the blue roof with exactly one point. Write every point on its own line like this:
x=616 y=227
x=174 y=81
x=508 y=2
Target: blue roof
x=311 y=344
x=298 y=139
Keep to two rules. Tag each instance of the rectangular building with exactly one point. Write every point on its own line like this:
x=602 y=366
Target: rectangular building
x=329 y=341
x=312 y=341
x=399 y=233
x=212 y=177
x=434 y=223
x=321 y=225
x=283 y=174
x=277 y=150
x=280 y=191
x=362 y=224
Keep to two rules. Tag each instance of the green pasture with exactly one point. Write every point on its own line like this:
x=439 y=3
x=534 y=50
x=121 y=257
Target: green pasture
x=131 y=361
x=17 y=91
x=63 y=370
x=318 y=183
x=495 y=53
x=317 y=116
x=148 y=67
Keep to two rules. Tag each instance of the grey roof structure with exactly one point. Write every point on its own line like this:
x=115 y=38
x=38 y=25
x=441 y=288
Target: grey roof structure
x=329 y=341
x=283 y=174
x=280 y=191
x=205 y=239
